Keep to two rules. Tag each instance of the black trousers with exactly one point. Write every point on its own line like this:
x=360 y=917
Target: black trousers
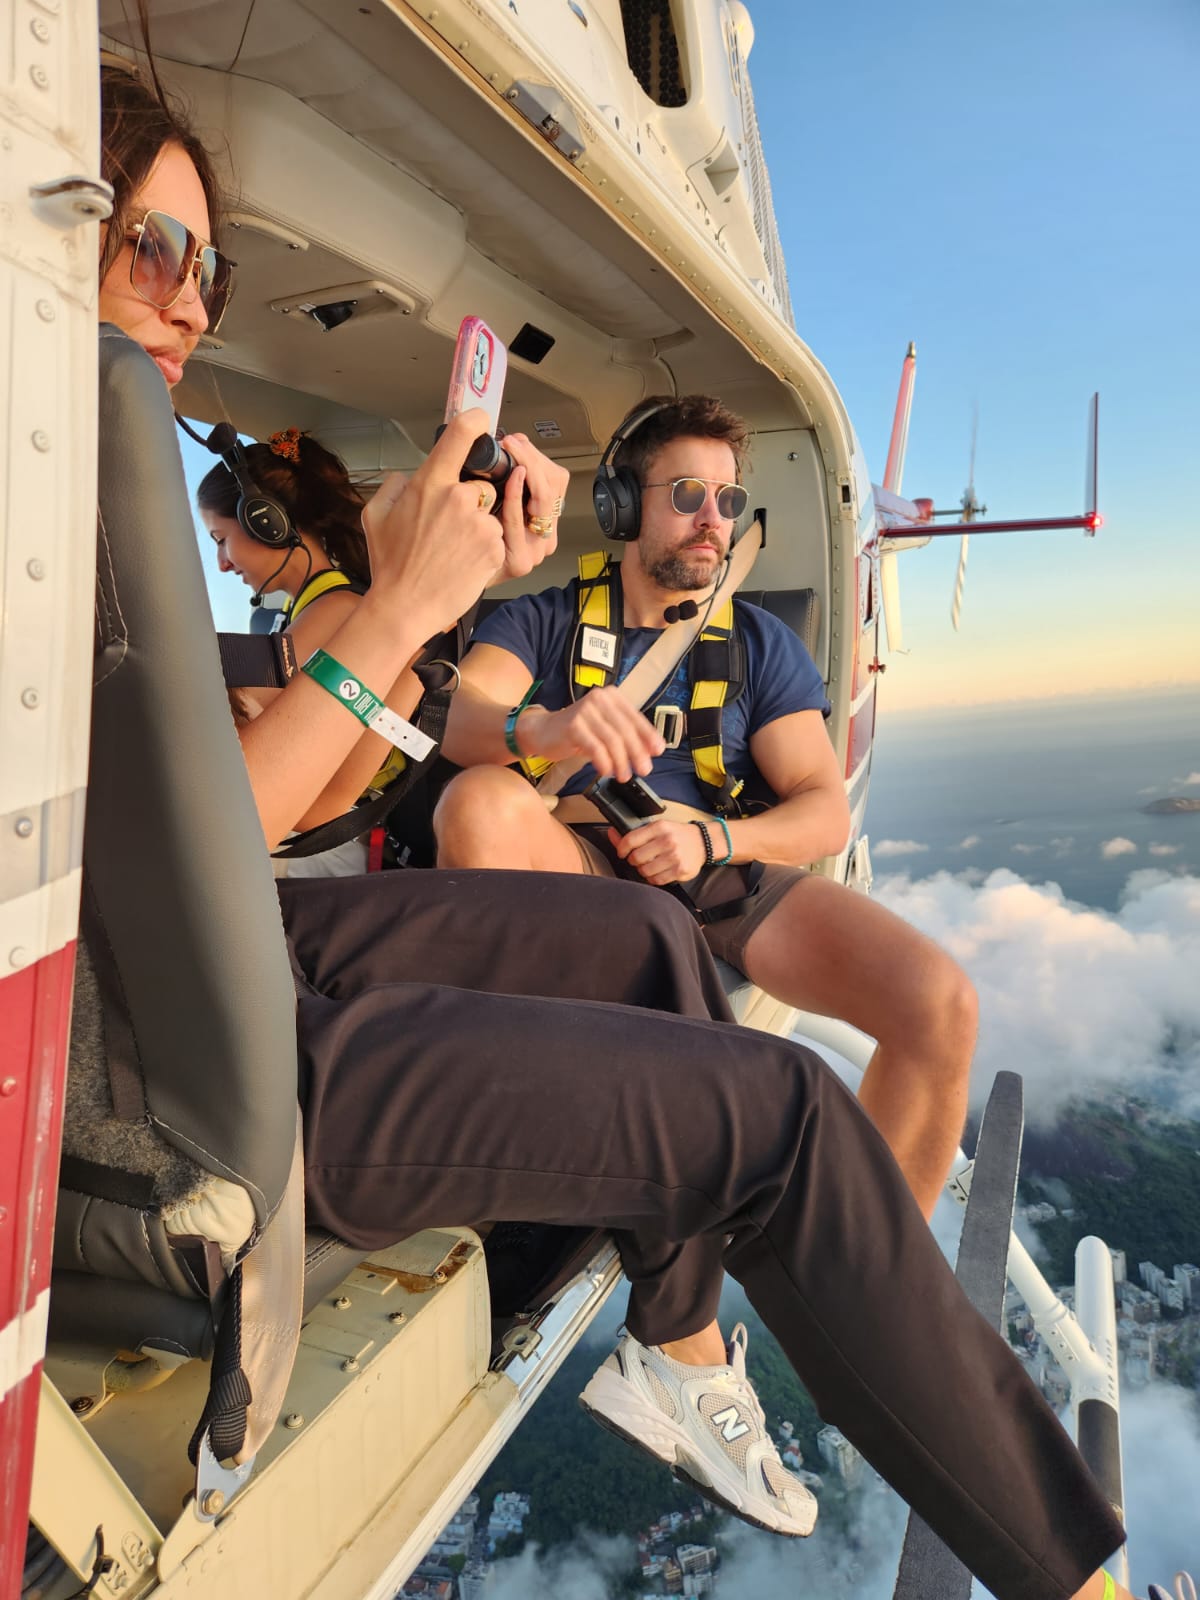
x=462 y=1058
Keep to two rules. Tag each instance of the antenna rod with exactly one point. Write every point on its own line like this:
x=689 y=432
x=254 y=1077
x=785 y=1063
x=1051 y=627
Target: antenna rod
x=893 y=473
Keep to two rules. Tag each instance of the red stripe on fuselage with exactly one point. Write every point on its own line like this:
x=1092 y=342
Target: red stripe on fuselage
x=35 y=1009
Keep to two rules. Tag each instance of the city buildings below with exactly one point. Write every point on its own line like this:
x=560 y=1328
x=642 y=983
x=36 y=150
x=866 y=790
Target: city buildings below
x=1179 y=1292
x=507 y=1520
x=840 y=1455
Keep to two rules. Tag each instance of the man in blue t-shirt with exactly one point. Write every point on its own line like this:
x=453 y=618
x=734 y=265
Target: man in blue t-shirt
x=809 y=941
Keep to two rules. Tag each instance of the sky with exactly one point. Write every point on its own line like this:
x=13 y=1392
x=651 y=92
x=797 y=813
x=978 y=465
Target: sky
x=1014 y=187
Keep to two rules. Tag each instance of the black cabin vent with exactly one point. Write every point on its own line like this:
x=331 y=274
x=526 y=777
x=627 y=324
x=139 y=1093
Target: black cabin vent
x=531 y=344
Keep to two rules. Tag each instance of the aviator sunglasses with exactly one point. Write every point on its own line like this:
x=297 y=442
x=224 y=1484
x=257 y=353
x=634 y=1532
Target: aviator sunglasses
x=166 y=255
x=688 y=495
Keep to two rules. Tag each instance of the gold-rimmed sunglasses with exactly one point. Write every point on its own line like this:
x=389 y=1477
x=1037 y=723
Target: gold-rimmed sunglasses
x=166 y=255
x=689 y=494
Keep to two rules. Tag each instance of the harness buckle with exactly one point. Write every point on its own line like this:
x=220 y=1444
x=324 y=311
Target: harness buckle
x=671 y=724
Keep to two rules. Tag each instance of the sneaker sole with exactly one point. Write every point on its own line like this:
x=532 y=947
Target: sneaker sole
x=659 y=1439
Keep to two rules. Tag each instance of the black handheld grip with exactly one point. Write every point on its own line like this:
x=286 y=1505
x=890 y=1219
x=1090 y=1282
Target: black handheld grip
x=487 y=458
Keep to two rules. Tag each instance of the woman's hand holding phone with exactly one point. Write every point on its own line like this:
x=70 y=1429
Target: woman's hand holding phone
x=433 y=544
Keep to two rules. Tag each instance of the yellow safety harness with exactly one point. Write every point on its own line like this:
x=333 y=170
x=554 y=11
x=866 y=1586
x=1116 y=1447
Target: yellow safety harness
x=716 y=675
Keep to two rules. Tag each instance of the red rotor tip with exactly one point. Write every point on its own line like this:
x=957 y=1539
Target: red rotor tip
x=1095 y=520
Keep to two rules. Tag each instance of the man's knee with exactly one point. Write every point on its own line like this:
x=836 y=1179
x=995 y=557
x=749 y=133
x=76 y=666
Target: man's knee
x=949 y=1008
x=490 y=798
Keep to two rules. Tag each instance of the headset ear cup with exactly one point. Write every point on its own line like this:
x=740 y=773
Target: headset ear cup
x=265 y=520
x=602 y=504
x=617 y=499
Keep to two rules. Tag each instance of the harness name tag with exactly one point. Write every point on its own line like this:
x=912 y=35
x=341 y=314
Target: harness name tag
x=599 y=646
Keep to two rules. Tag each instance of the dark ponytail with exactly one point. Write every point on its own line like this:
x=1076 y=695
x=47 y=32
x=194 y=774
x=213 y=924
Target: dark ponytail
x=311 y=485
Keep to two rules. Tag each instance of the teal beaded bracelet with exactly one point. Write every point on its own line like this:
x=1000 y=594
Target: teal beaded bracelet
x=728 y=856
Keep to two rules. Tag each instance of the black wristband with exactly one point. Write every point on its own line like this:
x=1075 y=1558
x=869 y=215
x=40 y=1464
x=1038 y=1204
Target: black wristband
x=707 y=837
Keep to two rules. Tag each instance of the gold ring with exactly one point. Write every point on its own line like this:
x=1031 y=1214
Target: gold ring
x=558 y=505
x=542 y=526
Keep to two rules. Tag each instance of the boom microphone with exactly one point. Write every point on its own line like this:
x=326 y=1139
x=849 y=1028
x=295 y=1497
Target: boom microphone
x=681 y=613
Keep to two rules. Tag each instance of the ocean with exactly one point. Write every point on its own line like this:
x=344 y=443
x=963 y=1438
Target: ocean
x=1054 y=791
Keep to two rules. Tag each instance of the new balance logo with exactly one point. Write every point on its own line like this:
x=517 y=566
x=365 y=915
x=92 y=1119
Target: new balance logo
x=730 y=1423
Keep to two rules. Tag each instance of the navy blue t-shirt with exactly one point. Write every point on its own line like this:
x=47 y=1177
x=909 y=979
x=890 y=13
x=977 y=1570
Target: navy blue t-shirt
x=781 y=678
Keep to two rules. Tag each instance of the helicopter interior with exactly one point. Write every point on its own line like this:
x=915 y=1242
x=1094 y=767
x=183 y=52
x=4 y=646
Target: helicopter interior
x=377 y=199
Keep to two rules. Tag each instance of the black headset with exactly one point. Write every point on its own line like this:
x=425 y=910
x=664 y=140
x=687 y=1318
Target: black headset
x=616 y=492
x=261 y=517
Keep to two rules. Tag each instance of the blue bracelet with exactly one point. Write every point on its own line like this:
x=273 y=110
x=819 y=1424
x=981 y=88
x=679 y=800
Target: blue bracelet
x=728 y=856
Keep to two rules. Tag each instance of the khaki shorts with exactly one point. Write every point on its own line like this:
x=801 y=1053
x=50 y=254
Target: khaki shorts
x=714 y=886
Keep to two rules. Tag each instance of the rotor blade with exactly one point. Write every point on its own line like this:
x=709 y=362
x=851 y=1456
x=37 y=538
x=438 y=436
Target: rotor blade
x=960 y=583
x=974 y=441
x=893 y=473
x=889 y=588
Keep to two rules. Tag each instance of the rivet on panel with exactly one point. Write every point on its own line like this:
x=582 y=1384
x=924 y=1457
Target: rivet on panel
x=8 y=1087
x=213 y=1503
x=18 y=956
x=41 y=439
x=350 y=1364
x=23 y=827
x=342 y=1303
x=397 y=1317
x=45 y=310
x=36 y=569
x=30 y=699
x=40 y=77
x=293 y=1420
x=40 y=30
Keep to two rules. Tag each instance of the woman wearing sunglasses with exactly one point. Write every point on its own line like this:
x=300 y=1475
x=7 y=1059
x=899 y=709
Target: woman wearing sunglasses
x=428 y=1102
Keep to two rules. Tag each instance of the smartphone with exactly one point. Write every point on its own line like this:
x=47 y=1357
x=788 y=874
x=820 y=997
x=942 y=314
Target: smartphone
x=477 y=379
x=625 y=805
x=477 y=376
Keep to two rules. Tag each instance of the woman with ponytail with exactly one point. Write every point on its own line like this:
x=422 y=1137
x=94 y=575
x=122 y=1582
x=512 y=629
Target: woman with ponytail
x=323 y=572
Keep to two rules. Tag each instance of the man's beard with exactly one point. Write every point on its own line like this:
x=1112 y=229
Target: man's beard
x=681 y=571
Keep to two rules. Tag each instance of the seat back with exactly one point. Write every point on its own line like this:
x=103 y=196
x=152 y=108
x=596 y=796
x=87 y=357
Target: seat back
x=182 y=1091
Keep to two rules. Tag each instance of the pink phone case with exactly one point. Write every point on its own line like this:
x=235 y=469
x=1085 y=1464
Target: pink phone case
x=477 y=376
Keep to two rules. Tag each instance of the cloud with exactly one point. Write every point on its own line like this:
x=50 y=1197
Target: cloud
x=1164 y=849
x=898 y=847
x=1160 y=1442
x=1027 y=849
x=591 y=1569
x=1086 y=1001
x=1063 y=847
x=1192 y=777
x=968 y=843
x=1117 y=847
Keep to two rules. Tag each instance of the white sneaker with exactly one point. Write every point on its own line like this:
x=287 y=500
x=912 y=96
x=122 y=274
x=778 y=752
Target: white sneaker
x=706 y=1424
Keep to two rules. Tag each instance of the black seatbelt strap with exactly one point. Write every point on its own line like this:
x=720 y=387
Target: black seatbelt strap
x=224 y=1414
x=257 y=660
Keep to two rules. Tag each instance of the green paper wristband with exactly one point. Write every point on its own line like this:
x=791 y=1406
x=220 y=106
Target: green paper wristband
x=361 y=702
